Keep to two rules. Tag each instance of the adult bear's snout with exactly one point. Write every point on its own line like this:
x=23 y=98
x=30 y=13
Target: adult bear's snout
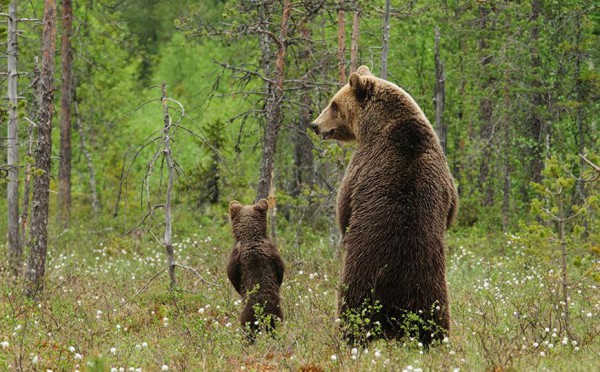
x=315 y=127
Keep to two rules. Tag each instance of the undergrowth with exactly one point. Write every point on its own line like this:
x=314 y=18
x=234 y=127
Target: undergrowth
x=107 y=306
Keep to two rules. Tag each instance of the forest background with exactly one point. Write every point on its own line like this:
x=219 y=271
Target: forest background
x=510 y=87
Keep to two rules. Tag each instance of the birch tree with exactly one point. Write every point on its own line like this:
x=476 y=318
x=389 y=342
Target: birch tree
x=440 y=93
x=386 y=40
x=12 y=192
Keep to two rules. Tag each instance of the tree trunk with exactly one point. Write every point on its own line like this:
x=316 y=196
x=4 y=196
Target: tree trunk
x=485 y=110
x=355 y=37
x=266 y=166
x=459 y=141
x=386 y=40
x=440 y=93
x=341 y=43
x=35 y=85
x=171 y=170
x=66 y=89
x=272 y=209
x=41 y=187
x=12 y=190
x=303 y=158
x=273 y=110
x=27 y=187
x=562 y=238
x=507 y=145
x=579 y=88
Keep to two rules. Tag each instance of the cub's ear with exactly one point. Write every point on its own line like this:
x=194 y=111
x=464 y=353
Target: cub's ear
x=364 y=71
x=261 y=206
x=234 y=208
x=360 y=86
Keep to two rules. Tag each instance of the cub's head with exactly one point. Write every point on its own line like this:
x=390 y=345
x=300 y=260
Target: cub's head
x=249 y=222
x=339 y=120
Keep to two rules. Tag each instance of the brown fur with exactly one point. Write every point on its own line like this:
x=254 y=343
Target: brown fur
x=394 y=205
x=255 y=267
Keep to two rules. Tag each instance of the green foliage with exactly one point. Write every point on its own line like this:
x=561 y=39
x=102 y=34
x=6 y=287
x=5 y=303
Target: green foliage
x=568 y=200
x=504 y=288
x=358 y=325
x=263 y=325
x=204 y=182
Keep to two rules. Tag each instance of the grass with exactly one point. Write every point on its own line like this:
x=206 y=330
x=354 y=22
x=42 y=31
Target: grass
x=106 y=306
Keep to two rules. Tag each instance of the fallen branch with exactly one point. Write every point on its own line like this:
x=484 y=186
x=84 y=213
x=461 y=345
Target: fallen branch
x=201 y=278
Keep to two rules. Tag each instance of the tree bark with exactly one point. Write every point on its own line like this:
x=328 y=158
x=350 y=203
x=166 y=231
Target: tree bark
x=66 y=89
x=386 y=40
x=273 y=110
x=35 y=85
x=12 y=190
x=440 y=93
x=341 y=43
x=354 y=38
x=27 y=187
x=41 y=187
x=266 y=166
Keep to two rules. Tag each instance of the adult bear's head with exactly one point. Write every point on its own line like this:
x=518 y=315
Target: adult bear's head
x=339 y=120
x=370 y=109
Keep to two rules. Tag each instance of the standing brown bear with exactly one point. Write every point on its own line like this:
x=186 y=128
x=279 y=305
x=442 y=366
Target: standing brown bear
x=255 y=267
x=394 y=205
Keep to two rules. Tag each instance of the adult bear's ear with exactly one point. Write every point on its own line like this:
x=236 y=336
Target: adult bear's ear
x=261 y=206
x=234 y=208
x=360 y=86
x=364 y=71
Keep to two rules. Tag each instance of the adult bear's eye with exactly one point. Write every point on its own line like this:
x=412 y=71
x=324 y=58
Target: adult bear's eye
x=334 y=106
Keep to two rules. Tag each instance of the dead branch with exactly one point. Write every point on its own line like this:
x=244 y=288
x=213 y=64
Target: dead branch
x=201 y=278
x=245 y=71
x=588 y=162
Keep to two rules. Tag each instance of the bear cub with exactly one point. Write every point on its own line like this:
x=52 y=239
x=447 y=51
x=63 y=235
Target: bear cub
x=255 y=267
